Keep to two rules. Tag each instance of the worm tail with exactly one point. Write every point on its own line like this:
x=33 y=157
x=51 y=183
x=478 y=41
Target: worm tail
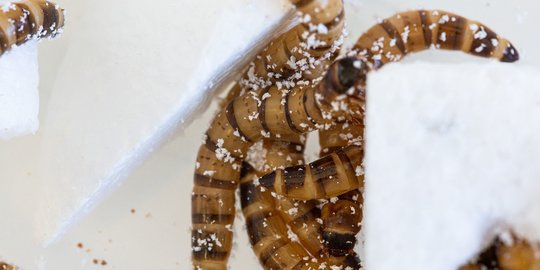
x=418 y=30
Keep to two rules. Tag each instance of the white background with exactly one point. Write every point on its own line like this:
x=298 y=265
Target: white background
x=157 y=235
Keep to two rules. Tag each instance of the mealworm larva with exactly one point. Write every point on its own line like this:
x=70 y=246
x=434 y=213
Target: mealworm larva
x=256 y=115
x=221 y=157
x=5 y=266
x=417 y=30
x=28 y=19
x=333 y=99
x=507 y=254
x=341 y=223
x=342 y=218
x=269 y=235
x=301 y=216
x=301 y=52
x=327 y=177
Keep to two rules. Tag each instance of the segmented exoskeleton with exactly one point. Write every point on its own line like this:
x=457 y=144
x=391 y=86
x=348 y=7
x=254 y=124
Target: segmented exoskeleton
x=303 y=218
x=341 y=93
x=342 y=216
x=508 y=253
x=218 y=169
x=5 y=266
x=270 y=236
x=28 y=19
x=276 y=113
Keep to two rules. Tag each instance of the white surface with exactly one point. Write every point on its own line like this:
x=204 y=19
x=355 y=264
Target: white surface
x=19 y=99
x=162 y=186
x=452 y=156
x=132 y=73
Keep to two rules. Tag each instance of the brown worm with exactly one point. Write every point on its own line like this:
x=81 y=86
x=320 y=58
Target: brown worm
x=510 y=254
x=29 y=19
x=269 y=236
x=221 y=157
x=5 y=266
x=341 y=93
x=304 y=218
x=415 y=31
x=341 y=216
x=252 y=117
x=303 y=53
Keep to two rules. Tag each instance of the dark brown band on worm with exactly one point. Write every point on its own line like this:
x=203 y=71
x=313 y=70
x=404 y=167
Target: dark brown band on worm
x=268 y=180
x=288 y=116
x=262 y=113
x=248 y=194
x=304 y=104
x=425 y=27
x=232 y=121
x=212 y=146
x=205 y=181
x=294 y=177
x=394 y=34
x=255 y=226
x=323 y=170
x=337 y=243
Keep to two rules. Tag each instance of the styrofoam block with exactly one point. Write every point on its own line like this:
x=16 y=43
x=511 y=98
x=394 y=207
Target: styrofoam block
x=133 y=72
x=19 y=98
x=452 y=157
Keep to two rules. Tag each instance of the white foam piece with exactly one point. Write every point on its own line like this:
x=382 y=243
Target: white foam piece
x=452 y=157
x=19 y=98
x=132 y=73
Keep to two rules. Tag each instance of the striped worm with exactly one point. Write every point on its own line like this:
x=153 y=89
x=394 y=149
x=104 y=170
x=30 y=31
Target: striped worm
x=269 y=236
x=341 y=93
x=301 y=54
x=334 y=142
x=28 y=19
x=5 y=266
x=218 y=164
x=302 y=217
x=252 y=117
x=341 y=216
x=512 y=253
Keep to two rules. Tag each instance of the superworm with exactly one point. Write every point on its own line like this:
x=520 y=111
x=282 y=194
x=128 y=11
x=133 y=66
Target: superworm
x=333 y=98
x=342 y=217
x=28 y=19
x=269 y=235
x=303 y=52
x=252 y=117
x=513 y=253
x=218 y=169
x=5 y=266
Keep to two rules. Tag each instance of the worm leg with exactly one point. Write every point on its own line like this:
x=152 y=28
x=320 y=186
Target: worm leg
x=27 y=19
